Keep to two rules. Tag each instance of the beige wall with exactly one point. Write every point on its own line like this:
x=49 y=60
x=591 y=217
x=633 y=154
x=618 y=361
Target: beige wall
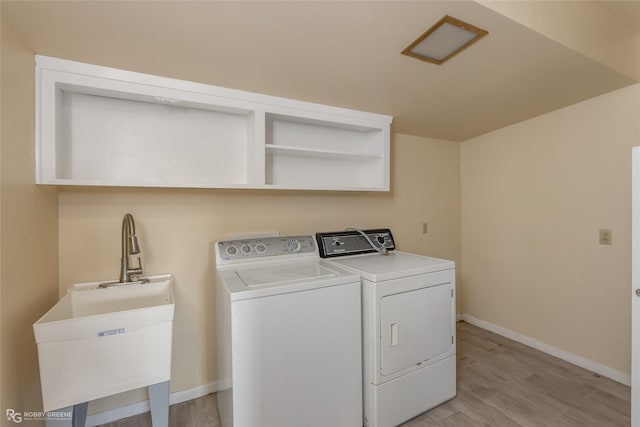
x=533 y=198
x=29 y=222
x=177 y=226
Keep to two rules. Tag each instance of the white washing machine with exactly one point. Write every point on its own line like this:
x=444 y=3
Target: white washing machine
x=408 y=321
x=289 y=336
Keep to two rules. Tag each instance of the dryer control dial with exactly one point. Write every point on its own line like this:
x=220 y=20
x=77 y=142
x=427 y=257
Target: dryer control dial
x=382 y=239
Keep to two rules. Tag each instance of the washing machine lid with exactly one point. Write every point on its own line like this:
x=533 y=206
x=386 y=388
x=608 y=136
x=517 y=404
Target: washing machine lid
x=274 y=278
x=376 y=267
x=284 y=273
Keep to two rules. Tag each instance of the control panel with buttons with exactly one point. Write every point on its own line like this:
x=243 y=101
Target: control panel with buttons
x=351 y=242
x=265 y=247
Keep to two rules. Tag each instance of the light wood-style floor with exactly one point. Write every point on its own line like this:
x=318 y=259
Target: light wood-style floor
x=500 y=383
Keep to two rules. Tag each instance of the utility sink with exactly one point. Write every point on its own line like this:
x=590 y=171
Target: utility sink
x=104 y=338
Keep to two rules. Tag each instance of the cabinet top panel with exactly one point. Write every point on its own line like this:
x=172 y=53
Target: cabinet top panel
x=57 y=64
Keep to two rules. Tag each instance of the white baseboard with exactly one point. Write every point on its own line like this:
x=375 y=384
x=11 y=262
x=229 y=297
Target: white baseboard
x=590 y=365
x=459 y=318
x=142 y=407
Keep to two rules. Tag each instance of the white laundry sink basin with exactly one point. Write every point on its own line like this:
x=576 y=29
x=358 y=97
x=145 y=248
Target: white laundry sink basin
x=98 y=341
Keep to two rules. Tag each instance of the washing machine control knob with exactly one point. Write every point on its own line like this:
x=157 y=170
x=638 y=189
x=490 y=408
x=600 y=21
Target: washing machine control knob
x=245 y=249
x=293 y=245
x=231 y=250
x=382 y=239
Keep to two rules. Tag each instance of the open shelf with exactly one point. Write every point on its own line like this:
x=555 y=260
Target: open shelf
x=125 y=142
x=106 y=127
x=311 y=152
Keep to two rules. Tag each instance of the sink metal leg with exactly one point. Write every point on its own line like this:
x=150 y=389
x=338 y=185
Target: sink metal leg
x=159 y=402
x=80 y=414
x=77 y=418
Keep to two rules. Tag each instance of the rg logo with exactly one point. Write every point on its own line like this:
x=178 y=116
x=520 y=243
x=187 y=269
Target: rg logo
x=14 y=416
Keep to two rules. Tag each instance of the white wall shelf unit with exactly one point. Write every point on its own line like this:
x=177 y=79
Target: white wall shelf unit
x=107 y=127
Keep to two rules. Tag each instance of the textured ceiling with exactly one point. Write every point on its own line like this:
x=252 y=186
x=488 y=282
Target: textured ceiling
x=339 y=53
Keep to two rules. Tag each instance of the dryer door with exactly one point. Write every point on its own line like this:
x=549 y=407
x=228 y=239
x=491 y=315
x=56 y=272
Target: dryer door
x=415 y=326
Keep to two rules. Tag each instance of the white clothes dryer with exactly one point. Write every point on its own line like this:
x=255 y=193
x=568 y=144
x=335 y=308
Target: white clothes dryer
x=289 y=336
x=408 y=321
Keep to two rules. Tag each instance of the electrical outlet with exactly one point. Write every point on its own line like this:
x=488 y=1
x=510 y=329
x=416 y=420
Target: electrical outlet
x=425 y=228
x=605 y=236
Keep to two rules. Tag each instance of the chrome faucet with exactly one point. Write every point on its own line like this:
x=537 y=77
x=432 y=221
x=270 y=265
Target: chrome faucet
x=129 y=247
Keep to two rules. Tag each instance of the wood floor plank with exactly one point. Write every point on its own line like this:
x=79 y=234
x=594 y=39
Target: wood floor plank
x=480 y=384
x=546 y=406
x=182 y=415
x=610 y=401
x=501 y=383
x=575 y=400
x=521 y=410
x=614 y=388
x=481 y=412
x=436 y=414
x=206 y=413
x=458 y=419
x=573 y=418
